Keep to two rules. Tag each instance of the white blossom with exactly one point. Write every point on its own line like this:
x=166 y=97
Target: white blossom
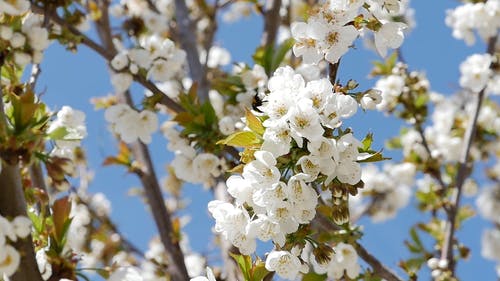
x=126 y=274
x=15 y=7
x=22 y=226
x=284 y=263
x=44 y=265
x=121 y=81
x=475 y=72
x=390 y=35
x=10 y=263
x=130 y=124
x=490 y=244
x=210 y=276
x=488 y=203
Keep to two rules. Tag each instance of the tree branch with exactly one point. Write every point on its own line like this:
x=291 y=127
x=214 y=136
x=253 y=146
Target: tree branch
x=147 y=175
x=463 y=173
x=107 y=221
x=108 y=55
x=378 y=267
x=272 y=21
x=13 y=204
x=187 y=37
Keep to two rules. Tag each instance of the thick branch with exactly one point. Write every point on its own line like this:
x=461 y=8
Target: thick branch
x=463 y=173
x=272 y=21
x=187 y=38
x=13 y=204
x=149 y=180
x=177 y=267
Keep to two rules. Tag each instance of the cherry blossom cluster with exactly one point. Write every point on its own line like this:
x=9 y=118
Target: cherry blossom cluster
x=72 y=121
x=210 y=276
x=477 y=74
x=394 y=85
x=480 y=17
x=157 y=56
x=331 y=30
x=14 y=8
x=442 y=135
x=155 y=255
x=255 y=82
x=10 y=232
x=298 y=116
x=385 y=191
x=29 y=39
x=343 y=259
x=437 y=266
x=396 y=18
x=155 y=18
x=488 y=203
x=189 y=165
x=130 y=124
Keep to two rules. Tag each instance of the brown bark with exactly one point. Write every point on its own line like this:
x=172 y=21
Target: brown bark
x=13 y=204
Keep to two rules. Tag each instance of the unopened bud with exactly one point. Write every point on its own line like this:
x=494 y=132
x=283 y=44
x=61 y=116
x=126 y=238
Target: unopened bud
x=432 y=263
x=443 y=264
x=323 y=253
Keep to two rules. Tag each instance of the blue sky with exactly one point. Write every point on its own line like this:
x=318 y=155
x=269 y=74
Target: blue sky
x=73 y=79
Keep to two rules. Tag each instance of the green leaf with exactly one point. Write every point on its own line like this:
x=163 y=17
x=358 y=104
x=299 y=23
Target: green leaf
x=464 y=213
x=58 y=134
x=241 y=139
x=264 y=56
x=421 y=100
x=280 y=53
x=209 y=114
x=415 y=238
x=103 y=273
x=183 y=118
x=79 y=274
x=377 y=157
x=36 y=221
x=367 y=142
x=258 y=271
x=385 y=68
x=254 y=123
x=394 y=143
x=245 y=264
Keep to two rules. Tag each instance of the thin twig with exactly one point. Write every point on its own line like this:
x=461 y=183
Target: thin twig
x=463 y=173
x=35 y=73
x=435 y=174
x=112 y=226
x=108 y=55
x=378 y=267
